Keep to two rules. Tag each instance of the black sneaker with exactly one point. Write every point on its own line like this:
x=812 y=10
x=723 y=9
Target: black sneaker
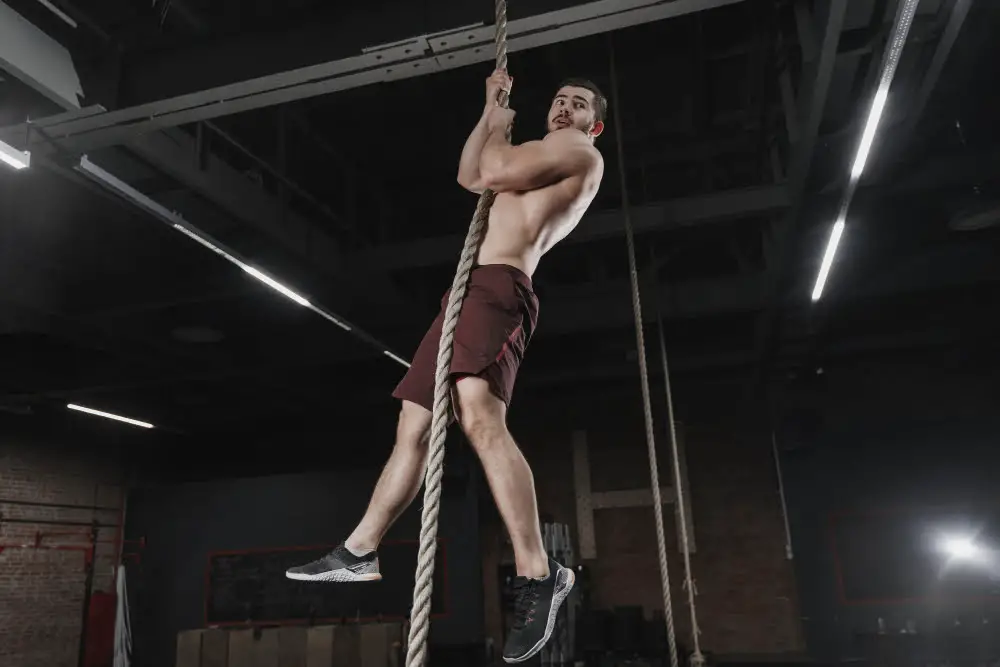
x=537 y=604
x=339 y=565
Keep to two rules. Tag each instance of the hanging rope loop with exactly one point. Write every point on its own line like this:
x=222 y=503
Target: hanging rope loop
x=697 y=659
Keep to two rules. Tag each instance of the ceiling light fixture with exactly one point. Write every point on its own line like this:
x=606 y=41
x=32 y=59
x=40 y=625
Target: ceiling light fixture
x=115 y=184
x=395 y=358
x=831 y=251
x=256 y=273
x=108 y=415
x=13 y=157
x=895 y=49
x=275 y=285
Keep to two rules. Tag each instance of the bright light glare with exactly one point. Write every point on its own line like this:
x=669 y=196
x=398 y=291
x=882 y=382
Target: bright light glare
x=961 y=547
x=13 y=157
x=897 y=40
x=108 y=415
x=869 y=135
x=256 y=273
x=274 y=284
x=831 y=251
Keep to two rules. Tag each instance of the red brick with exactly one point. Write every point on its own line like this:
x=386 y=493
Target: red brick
x=42 y=590
x=747 y=599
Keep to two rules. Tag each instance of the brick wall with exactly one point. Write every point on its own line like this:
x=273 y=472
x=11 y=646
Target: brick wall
x=747 y=595
x=41 y=587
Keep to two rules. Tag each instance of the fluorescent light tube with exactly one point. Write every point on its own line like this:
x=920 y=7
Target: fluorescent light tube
x=275 y=285
x=108 y=415
x=831 y=251
x=878 y=105
x=395 y=358
x=329 y=317
x=13 y=157
x=256 y=273
x=894 y=49
x=173 y=219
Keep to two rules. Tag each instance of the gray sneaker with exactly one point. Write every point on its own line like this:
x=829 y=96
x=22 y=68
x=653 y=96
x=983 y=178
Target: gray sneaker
x=340 y=565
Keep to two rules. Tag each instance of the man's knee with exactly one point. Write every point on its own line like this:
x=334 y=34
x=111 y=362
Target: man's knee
x=414 y=424
x=481 y=414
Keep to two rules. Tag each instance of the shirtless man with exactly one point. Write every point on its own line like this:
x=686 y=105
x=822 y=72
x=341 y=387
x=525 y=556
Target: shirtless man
x=543 y=188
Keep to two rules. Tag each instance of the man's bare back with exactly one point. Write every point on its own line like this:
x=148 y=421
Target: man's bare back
x=543 y=187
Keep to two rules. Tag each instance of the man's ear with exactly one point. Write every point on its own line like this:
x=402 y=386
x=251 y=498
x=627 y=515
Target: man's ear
x=597 y=129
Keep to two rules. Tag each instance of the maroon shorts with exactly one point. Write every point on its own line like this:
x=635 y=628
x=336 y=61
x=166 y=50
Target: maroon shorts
x=498 y=316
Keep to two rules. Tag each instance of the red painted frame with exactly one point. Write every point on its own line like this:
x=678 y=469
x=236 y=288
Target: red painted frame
x=442 y=549
x=832 y=519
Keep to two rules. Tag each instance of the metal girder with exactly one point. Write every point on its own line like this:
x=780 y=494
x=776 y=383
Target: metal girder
x=36 y=59
x=171 y=219
x=174 y=153
x=914 y=111
x=596 y=226
x=814 y=89
x=416 y=56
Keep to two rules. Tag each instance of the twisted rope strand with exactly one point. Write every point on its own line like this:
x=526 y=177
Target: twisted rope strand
x=697 y=659
x=420 y=618
x=647 y=409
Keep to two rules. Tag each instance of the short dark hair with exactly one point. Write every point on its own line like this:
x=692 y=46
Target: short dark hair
x=600 y=101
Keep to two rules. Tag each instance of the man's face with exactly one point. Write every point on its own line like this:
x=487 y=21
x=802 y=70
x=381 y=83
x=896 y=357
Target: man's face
x=573 y=107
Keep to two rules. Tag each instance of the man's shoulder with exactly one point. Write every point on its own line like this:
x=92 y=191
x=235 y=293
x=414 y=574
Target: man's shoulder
x=568 y=136
x=576 y=142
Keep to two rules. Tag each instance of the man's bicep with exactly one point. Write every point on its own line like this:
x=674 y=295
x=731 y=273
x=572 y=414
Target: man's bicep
x=543 y=163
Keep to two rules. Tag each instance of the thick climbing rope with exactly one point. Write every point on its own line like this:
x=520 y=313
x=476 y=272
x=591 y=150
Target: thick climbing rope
x=696 y=659
x=416 y=652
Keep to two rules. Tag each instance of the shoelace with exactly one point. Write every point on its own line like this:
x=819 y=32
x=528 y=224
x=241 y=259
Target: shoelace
x=526 y=595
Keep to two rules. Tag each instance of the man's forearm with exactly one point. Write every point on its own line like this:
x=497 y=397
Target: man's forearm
x=468 y=164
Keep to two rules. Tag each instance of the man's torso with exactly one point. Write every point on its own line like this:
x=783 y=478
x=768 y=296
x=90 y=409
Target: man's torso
x=523 y=226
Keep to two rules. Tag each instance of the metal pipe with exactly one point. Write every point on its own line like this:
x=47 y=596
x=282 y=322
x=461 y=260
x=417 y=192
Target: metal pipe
x=51 y=522
x=67 y=506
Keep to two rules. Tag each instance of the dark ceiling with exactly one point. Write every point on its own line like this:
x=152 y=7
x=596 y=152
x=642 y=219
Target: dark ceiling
x=350 y=197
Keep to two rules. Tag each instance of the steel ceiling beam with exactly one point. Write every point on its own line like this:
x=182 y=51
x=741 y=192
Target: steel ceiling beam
x=416 y=56
x=959 y=11
x=813 y=91
x=596 y=226
x=36 y=59
x=175 y=153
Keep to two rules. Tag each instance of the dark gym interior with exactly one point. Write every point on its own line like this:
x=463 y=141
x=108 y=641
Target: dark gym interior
x=837 y=439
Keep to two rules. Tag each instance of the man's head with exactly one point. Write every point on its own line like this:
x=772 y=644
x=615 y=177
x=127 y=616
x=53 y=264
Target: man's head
x=580 y=104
